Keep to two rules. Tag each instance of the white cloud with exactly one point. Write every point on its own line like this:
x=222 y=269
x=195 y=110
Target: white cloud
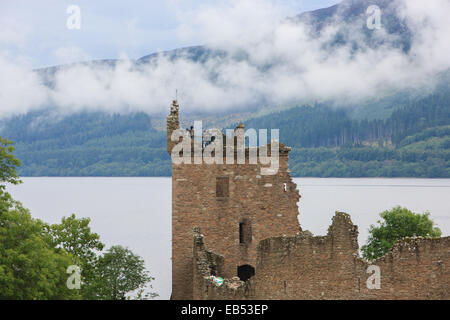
x=12 y=32
x=20 y=89
x=70 y=54
x=283 y=64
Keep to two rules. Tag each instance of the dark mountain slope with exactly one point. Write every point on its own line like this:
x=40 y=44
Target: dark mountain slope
x=413 y=142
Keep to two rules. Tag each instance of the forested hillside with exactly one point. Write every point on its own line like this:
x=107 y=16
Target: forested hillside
x=327 y=142
x=413 y=142
x=323 y=126
x=87 y=144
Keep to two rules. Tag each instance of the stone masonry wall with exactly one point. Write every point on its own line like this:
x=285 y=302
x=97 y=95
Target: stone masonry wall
x=251 y=219
x=268 y=203
x=205 y=264
x=329 y=267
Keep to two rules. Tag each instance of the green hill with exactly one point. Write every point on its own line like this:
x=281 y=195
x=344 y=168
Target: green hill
x=327 y=142
x=413 y=142
x=87 y=144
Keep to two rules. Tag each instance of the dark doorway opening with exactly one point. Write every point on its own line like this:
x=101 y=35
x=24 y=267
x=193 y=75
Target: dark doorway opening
x=245 y=272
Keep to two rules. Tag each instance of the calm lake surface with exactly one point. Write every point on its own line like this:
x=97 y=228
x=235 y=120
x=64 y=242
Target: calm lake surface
x=136 y=212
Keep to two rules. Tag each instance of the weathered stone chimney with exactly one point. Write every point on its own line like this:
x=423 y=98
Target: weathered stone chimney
x=173 y=124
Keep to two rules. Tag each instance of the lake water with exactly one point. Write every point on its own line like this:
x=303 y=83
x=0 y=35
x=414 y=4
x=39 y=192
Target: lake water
x=136 y=212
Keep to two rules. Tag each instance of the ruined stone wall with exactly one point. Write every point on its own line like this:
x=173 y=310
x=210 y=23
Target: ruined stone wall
x=266 y=203
x=206 y=264
x=307 y=267
x=415 y=268
x=329 y=267
x=222 y=199
x=258 y=200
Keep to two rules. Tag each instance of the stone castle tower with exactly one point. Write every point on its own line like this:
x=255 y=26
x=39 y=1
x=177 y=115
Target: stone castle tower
x=231 y=221
x=233 y=205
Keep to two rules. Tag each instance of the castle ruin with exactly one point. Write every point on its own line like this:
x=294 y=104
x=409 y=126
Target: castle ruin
x=231 y=221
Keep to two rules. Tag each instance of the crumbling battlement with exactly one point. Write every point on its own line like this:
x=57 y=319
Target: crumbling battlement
x=329 y=267
x=342 y=236
x=237 y=143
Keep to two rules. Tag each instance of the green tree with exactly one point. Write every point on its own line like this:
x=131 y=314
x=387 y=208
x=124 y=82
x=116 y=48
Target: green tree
x=75 y=236
x=34 y=256
x=396 y=224
x=120 y=272
x=30 y=267
x=8 y=172
x=8 y=163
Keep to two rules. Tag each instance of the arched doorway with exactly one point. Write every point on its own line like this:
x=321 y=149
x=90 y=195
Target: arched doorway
x=245 y=272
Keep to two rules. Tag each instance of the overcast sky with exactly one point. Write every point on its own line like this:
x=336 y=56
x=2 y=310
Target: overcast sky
x=285 y=63
x=36 y=30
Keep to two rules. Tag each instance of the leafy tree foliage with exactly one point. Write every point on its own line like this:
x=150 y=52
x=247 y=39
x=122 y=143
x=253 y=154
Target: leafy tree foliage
x=8 y=173
x=8 y=164
x=119 y=272
x=75 y=236
x=396 y=224
x=30 y=267
x=106 y=277
x=35 y=256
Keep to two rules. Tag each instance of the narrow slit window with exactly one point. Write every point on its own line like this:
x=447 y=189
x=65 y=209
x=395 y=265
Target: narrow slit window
x=245 y=232
x=241 y=232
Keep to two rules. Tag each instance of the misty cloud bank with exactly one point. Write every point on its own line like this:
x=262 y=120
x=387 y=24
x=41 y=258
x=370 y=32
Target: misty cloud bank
x=268 y=60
